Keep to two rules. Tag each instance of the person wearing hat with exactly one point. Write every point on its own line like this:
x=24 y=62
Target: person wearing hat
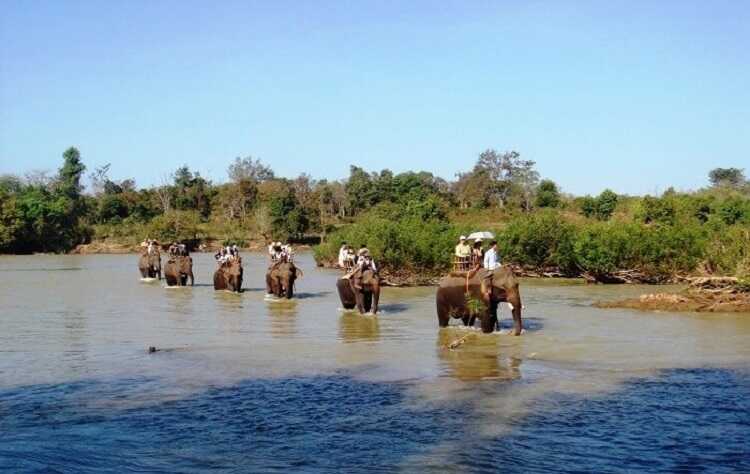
x=364 y=261
x=462 y=254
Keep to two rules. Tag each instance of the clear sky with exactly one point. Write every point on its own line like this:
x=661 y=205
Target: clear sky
x=636 y=96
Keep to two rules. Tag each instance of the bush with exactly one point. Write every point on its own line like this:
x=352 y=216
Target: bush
x=540 y=240
x=175 y=226
x=409 y=243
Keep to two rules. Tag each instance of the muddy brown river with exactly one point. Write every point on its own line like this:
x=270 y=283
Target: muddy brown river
x=242 y=384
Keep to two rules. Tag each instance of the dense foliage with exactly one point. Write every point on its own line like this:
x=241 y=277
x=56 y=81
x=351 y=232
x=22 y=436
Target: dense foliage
x=408 y=220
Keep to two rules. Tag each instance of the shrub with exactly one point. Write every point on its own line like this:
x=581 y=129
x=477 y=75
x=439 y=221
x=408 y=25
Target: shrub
x=540 y=240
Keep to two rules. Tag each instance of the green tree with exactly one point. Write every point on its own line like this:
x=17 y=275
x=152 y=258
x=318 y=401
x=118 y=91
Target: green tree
x=548 y=195
x=731 y=177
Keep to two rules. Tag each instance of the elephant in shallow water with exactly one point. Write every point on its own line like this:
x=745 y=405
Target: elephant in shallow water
x=150 y=265
x=280 y=279
x=478 y=297
x=362 y=291
x=178 y=269
x=229 y=276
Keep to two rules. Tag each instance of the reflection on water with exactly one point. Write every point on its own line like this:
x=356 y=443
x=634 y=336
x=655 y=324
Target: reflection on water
x=353 y=327
x=480 y=357
x=306 y=384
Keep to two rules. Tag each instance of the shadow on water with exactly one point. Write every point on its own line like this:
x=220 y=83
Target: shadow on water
x=393 y=308
x=678 y=421
x=529 y=324
x=354 y=327
x=64 y=269
x=318 y=294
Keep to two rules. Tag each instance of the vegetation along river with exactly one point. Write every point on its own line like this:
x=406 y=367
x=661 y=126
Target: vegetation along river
x=241 y=384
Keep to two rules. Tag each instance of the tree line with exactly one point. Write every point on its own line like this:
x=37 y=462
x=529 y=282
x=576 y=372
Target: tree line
x=409 y=219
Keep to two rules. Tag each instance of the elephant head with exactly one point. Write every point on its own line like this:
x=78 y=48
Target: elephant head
x=498 y=286
x=280 y=279
x=154 y=264
x=233 y=275
x=366 y=290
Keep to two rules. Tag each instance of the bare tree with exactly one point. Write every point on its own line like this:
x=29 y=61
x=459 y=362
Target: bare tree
x=164 y=193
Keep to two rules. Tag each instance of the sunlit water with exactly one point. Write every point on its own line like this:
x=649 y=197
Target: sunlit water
x=241 y=384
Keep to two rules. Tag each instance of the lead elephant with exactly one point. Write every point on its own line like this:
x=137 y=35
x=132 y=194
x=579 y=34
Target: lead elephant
x=360 y=291
x=280 y=279
x=178 y=269
x=478 y=297
x=229 y=276
x=150 y=265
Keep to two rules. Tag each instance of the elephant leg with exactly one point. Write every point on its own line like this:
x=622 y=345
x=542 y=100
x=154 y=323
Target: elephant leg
x=472 y=320
x=375 y=298
x=443 y=314
x=192 y=278
x=158 y=274
x=514 y=298
x=360 y=300
x=489 y=319
x=367 y=297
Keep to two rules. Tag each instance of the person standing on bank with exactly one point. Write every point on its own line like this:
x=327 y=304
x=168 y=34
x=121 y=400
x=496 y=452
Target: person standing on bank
x=491 y=258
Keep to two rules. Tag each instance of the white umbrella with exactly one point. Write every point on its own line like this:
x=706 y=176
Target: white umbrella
x=484 y=235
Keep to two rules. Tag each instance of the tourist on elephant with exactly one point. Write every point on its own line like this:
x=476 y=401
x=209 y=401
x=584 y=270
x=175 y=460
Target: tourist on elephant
x=364 y=261
x=491 y=259
x=477 y=253
x=288 y=253
x=462 y=254
x=343 y=252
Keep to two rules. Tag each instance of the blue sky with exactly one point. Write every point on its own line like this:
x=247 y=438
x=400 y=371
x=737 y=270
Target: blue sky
x=636 y=96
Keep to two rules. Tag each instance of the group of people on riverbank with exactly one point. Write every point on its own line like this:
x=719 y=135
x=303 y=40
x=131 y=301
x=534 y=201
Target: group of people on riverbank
x=468 y=256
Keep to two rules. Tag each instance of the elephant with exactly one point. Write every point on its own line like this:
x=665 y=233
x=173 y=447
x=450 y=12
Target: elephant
x=178 y=269
x=483 y=289
x=362 y=292
x=280 y=279
x=150 y=265
x=229 y=276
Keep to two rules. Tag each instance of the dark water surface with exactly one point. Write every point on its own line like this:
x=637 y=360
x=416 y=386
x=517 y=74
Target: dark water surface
x=246 y=385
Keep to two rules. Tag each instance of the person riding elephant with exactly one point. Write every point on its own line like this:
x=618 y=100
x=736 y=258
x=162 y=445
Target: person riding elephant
x=280 y=278
x=178 y=269
x=229 y=275
x=150 y=265
x=477 y=295
x=361 y=290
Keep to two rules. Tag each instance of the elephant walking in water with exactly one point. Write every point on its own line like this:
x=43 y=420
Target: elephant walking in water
x=178 y=269
x=478 y=296
x=229 y=276
x=280 y=279
x=362 y=291
x=150 y=265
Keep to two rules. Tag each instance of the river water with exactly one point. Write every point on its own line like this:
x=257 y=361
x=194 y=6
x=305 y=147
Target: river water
x=241 y=384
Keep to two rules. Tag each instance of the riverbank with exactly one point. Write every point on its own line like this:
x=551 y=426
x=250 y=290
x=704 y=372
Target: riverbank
x=703 y=294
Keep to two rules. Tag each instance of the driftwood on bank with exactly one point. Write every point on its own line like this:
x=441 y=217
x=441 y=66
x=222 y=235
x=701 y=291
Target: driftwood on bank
x=703 y=294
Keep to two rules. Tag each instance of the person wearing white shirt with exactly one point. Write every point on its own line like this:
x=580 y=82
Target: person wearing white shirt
x=491 y=259
x=343 y=251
